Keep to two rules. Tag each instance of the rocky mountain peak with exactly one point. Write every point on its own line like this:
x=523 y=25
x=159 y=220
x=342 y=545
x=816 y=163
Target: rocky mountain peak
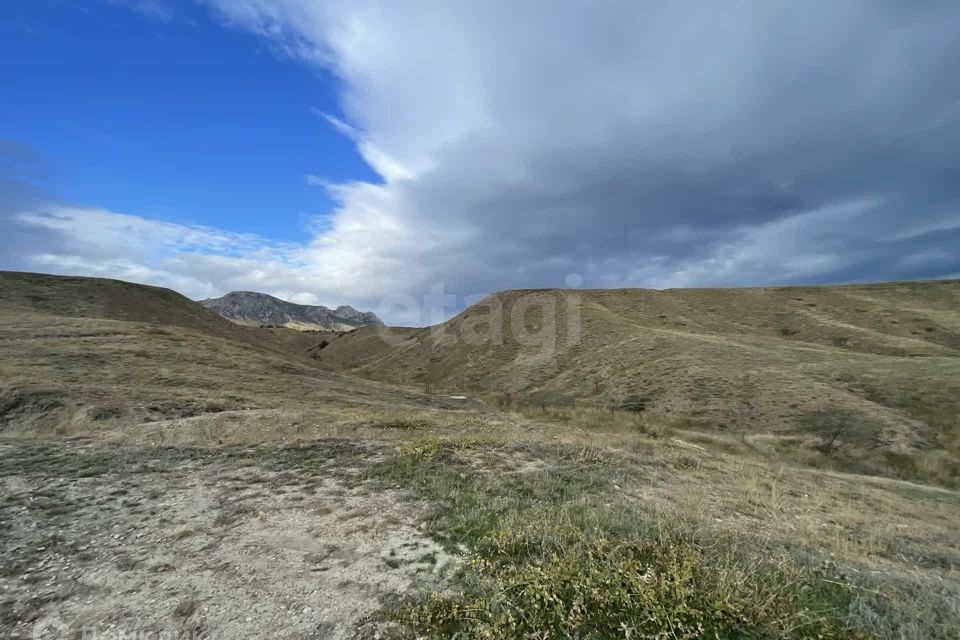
x=251 y=307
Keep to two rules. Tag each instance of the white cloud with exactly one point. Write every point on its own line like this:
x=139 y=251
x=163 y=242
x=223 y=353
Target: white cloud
x=347 y=130
x=339 y=267
x=67 y=239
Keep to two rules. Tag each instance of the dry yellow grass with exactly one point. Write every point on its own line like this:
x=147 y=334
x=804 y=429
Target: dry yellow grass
x=82 y=352
x=95 y=388
x=865 y=375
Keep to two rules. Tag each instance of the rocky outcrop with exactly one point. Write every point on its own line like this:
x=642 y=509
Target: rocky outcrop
x=248 y=307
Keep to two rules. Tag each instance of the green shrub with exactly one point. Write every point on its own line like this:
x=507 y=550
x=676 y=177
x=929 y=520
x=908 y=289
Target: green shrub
x=560 y=552
x=434 y=447
x=401 y=421
x=568 y=583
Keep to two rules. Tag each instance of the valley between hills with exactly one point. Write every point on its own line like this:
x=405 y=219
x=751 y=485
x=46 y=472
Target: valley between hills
x=724 y=463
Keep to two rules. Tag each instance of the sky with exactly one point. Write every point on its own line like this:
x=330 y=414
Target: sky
x=408 y=158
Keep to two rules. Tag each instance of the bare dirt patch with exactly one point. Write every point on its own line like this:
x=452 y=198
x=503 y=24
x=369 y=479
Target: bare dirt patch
x=227 y=544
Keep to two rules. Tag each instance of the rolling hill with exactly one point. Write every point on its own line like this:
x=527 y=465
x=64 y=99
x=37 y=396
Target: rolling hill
x=784 y=459
x=92 y=352
x=879 y=365
x=865 y=375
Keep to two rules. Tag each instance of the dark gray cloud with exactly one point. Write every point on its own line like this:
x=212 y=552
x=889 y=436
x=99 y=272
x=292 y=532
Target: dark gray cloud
x=682 y=136
x=652 y=144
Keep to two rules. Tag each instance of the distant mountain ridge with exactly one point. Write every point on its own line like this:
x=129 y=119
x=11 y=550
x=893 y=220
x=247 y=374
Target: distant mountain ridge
x=250 y=307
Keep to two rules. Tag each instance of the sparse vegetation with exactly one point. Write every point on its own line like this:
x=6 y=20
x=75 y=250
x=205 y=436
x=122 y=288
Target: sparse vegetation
x=433 y=447
x=678 y=481
x=402 y=421
x=755 y=362
x=841 y=430
x=563 y=553
x=542 y=582
x=559 y=541
x=625 y=421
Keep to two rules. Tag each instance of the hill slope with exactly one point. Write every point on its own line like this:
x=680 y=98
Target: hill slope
x=878 y=364
x=189 y=441
x=248 y=307
x=89 y=351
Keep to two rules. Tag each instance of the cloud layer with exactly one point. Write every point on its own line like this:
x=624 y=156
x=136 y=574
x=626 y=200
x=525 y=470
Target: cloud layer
x=632 y=143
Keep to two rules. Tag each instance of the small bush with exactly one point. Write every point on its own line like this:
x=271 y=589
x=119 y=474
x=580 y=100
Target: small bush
x=410 y=423
x=435 y=447
x=840 y=429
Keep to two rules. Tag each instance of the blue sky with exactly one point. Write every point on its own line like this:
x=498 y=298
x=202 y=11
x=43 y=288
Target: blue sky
x=458 y=148
x=172 y=115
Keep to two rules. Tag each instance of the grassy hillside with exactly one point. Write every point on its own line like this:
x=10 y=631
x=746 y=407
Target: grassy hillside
x=145 y=442
x=80 y=352
x=862 y=373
